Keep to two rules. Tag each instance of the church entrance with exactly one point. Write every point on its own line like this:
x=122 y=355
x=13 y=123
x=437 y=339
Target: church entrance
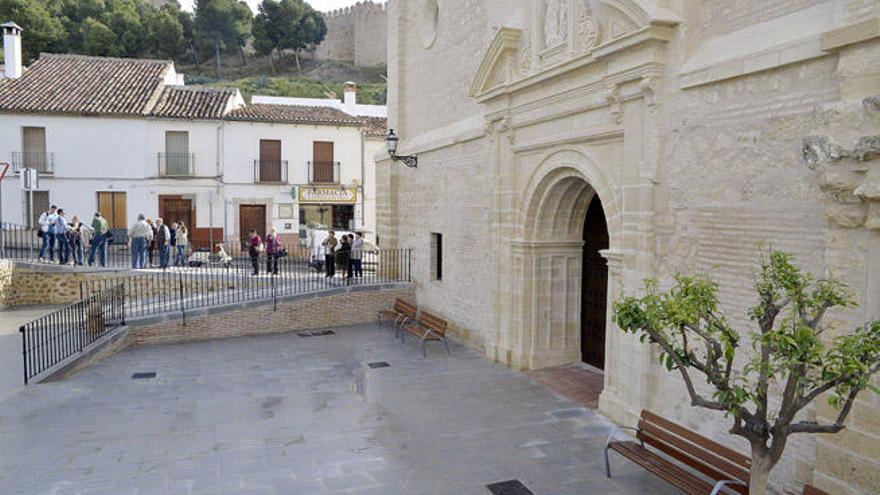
x=594 y=286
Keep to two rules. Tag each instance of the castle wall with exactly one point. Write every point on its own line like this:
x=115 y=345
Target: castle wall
x=355 y=34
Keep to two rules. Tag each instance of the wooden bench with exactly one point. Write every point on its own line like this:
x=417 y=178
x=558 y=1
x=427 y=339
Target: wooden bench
x=811 y=490
x=720 y=466
x=427 y=327
x=399 y=314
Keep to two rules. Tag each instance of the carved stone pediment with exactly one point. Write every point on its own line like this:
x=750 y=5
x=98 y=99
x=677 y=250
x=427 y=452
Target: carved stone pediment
x=501 y=62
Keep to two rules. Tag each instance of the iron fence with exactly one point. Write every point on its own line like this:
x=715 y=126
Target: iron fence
x=39 y=160
x=270 y=171
x=176 y=164
x=324 y=172
x=52 y=339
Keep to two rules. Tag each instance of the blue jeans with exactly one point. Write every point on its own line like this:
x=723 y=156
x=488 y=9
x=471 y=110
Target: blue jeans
x=63 y=249
x=164 y=255
x=138 y=252
x=99 y=245
x=77 y=250
x=181 y=256
x=48 y=242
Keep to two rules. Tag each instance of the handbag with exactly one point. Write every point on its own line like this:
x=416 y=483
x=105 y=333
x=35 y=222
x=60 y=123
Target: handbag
x=40 y=234
x=282 y=253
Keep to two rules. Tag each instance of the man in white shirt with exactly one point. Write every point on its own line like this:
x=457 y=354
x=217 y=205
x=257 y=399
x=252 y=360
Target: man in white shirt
x=47 y=227
x=140 y=234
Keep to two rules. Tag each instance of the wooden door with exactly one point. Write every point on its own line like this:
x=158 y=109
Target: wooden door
x=251 y=217
x=33 y=143
x=41 y=204
x=270 y=160
x=322 y=164
x=594 y=286
x=112 y=206
x=176 y=210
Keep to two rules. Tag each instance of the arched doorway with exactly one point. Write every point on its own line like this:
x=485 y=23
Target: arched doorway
x=594 y=285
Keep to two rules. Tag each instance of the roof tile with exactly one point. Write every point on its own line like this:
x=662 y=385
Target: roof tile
x=180 y=102
x=292 y=114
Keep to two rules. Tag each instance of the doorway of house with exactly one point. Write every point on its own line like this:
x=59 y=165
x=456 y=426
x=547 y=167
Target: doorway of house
x=176 y=209
x=251 y=217
x=594 y=286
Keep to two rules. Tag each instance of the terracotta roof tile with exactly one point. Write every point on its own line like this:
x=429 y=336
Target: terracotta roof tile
x=292 y=114
x=78 y=84
x=375 y=126
x=180 y=102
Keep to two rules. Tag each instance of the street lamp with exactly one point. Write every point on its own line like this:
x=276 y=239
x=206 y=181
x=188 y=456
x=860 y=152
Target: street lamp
x=391 y=140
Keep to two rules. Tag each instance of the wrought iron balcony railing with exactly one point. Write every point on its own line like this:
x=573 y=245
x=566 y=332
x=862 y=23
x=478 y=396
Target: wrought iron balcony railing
x=324 y=172
x=270 y=171
x=41 y=161
x=176 y=164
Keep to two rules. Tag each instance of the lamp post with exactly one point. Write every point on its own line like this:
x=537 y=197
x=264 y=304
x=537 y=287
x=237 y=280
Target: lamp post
x=391 y=140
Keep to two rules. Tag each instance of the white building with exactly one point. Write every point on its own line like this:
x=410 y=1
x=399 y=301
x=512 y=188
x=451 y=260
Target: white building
x=125 y=136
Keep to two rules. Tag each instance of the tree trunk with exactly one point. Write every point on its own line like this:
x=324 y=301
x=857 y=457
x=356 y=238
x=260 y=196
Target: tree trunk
x=759 y=474
x=272 y=62
x=296 y=55
x=195 y=55
x=217 y=57
x=241 y=52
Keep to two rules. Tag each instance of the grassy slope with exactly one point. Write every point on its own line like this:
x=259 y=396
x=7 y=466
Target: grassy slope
x=315 y=81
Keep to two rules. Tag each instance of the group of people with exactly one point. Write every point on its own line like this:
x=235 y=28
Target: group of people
x=148 y=237
x=346 y=253
x=69 y=238
x=272 y=247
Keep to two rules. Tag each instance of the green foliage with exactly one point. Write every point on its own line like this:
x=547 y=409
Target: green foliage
x=371 y=94
x=44 y=31
x=286 y=24
x=98 y=39
x=221 y=25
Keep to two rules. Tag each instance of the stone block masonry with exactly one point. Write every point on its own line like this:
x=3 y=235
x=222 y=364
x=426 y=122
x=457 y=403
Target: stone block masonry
x=333 y=308
x=355 y=34
x=27 y=283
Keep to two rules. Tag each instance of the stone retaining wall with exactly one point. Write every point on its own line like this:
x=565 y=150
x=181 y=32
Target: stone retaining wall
x=333 y=308
x=24 y=283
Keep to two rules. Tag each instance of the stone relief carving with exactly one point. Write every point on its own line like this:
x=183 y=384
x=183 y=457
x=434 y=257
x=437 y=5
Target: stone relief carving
x=524 y=57
x=612 y=96
x=555 y=22
x=587 y=28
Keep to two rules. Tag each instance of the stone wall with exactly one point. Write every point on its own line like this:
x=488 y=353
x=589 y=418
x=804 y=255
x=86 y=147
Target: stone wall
x=339 y=307
x=355 y=34
x=29 y=283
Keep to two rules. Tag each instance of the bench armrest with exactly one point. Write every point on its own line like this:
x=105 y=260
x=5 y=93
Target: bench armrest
x=718 y=486
x=615 y=431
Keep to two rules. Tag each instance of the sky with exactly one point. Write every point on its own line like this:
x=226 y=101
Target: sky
x=319 y=5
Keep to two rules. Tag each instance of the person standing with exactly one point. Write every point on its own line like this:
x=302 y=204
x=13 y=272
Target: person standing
x=75 y=239
x=47 y=227
x=357 y=254
x=181 y=238
x=273 y=249
x=255 y=245
x=141 y=234
x=344 y=254
x=61 y=229
x=330 y=253
x=100 y=231
x=172 y=242
x=163 y=240
x=151 y=247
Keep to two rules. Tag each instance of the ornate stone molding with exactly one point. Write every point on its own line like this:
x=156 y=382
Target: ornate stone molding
x=612 y=96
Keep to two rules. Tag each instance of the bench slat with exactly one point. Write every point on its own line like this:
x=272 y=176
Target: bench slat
x=662 y=468
x=705 y=443
x=691 y=453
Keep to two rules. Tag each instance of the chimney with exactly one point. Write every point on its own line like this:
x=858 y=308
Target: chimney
x=11 y=49
x=350 y=90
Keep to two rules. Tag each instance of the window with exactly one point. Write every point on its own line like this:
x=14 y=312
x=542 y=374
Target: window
x=436 y=256
x=33 y=147
x=336 y=217
x=177 y=158
x=41 y=204
x=112 y=207
x=323 y=169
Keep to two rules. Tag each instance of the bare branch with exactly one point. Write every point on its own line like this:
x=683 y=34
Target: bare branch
x=813 y=427
x=816 y=392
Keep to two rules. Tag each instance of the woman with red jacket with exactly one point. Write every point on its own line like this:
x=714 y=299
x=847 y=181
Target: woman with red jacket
x=255 y=245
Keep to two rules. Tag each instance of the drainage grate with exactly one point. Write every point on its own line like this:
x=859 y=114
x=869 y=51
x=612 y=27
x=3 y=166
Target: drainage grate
x=316 y=333
x=137 y=376
x=509 y=487
x=379 y=364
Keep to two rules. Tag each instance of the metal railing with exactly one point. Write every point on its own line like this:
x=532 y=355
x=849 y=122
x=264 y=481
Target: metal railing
x=54 y=338
x=39 y=160
x=227 y=280
x=176 y=164
x=324 y=172
x=270 y=171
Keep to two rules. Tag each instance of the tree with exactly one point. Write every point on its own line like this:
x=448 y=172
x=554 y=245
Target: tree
x=166 y=35
x=267 y=30
x=43 y=31
x=221 y=25
x=792 y=351
x=98 y=39
x=288 y=24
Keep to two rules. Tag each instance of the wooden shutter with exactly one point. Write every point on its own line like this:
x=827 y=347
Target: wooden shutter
x=322 y=156
x=177 y=153
x=112 y=206
x=270 y=160
x=33 y=141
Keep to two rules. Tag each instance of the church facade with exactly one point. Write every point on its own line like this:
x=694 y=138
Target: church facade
x=570 y=149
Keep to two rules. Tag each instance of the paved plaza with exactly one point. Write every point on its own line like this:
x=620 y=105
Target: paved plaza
x=287 y=414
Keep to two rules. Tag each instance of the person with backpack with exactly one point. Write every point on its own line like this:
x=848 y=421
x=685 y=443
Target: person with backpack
x=100 y=233
x=47 y=232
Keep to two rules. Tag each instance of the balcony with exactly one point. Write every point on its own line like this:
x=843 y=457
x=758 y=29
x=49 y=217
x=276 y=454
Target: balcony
x=176 y=164
x=270 y=171
x=323 y=172
x=41 y=161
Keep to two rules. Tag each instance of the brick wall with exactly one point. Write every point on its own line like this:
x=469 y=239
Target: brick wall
x=27 y=283
x=349 y=307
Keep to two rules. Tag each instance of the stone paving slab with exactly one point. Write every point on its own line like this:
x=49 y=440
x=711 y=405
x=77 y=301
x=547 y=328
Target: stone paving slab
x=283 y=414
